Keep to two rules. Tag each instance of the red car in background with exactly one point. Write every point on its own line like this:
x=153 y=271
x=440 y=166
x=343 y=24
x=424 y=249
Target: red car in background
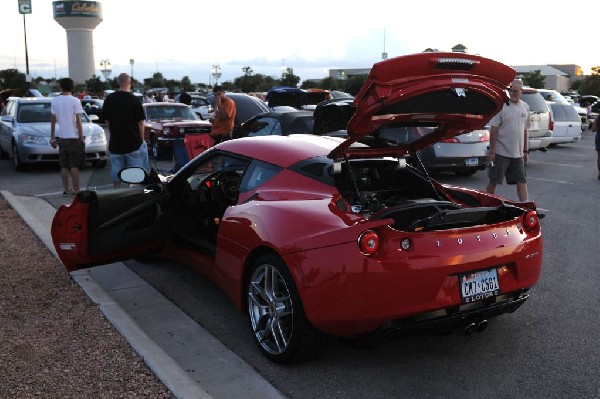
x=166 y=122
x=316 y=236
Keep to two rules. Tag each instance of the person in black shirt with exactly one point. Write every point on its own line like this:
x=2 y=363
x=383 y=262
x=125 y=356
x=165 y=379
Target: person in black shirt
x=124 y=116
x=185 y=98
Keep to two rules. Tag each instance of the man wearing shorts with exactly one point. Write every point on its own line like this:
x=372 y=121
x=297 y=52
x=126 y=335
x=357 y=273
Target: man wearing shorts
x=508 y=143
x=124 y=116
x=66 y=112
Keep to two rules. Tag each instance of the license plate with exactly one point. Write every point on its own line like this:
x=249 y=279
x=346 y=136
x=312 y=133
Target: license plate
x=472 y=161
x=478 y=286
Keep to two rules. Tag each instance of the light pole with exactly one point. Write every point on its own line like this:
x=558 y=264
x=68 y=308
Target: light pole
x=106 y=69
x=131 y=62
x=216 y=73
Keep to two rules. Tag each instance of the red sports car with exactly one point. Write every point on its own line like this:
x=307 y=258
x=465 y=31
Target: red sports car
x=315 y=236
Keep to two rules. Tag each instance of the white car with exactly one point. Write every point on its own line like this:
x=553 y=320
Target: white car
x=25 y=134
x=554 y=96
x=201 y=106
x=540 y=120
x=567 y=123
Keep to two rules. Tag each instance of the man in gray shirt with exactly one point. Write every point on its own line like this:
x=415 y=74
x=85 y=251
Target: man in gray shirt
x=508 y=143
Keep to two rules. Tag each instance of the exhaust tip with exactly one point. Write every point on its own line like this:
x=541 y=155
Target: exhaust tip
x=470 y=328
x=482 y=325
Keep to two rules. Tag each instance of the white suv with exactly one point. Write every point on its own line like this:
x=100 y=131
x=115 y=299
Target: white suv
x=540 y=120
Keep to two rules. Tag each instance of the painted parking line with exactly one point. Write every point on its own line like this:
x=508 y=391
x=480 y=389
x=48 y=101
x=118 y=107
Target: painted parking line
x=549 y=180
x=558 y=164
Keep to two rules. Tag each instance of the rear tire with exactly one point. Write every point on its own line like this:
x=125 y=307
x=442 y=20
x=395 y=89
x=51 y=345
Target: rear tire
x=276 y=315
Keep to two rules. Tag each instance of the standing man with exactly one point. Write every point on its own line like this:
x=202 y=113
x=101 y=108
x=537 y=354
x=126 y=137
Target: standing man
x=508 y=143
x=224 y=116
x=66 y=111
x=124 y=117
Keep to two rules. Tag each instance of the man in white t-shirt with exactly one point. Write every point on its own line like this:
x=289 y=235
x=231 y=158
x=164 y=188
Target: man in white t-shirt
x=508 y=143
x=66 y=113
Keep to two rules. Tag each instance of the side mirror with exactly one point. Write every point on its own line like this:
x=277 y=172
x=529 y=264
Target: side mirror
x=132 y=175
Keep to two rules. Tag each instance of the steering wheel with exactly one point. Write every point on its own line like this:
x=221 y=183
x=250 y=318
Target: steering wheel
x=225 y=187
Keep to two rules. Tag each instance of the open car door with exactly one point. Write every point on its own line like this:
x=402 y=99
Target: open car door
x=108 y=225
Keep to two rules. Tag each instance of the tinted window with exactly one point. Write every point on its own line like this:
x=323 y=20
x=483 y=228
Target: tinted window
x=536 y=101
x=263 y=127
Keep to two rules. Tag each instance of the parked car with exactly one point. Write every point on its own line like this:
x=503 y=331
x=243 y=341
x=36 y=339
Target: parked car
x=554 y=96
x=25 y=134
x=463 y=154
x=93 y=107
x=540 y=120
x=315 y=96
x=567 y=123
x=316 y=236
x=286 y=96
x=166 y=122
x=278 y=123
x=201 y=106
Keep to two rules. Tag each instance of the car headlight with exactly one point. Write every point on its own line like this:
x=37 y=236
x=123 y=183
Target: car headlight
x=34 y=140
x=97 y=138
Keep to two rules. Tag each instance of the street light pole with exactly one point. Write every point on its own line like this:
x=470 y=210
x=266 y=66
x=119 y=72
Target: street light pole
x=131 y=62
x=106 y=69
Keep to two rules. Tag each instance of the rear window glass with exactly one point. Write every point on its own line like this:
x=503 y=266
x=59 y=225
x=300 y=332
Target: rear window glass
x=564 y=113
x=536 y=102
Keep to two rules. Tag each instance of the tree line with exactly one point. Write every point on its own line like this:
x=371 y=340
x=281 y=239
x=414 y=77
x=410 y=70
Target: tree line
x=248 y=82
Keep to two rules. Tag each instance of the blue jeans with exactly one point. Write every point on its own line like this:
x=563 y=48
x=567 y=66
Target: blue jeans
x=138 y=158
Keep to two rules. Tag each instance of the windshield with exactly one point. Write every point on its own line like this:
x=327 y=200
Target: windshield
x=38 y=112
x=162 y=112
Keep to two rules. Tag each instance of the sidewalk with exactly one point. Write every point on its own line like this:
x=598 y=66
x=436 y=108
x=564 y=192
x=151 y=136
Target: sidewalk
x=155 y=328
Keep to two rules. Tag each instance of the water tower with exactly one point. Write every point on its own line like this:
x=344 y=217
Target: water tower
x=79 y=18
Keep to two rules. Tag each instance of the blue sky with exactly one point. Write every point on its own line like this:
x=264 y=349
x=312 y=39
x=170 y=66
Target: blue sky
x=186 y=37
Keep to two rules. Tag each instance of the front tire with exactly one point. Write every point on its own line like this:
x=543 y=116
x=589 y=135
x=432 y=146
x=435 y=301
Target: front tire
x=19 y=166
x=276 y=315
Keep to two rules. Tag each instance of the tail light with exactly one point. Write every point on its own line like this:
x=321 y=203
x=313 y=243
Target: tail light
x=368 y=242
x=531 y=220
x=550 y=121
x=485 y=136
x=451 y=140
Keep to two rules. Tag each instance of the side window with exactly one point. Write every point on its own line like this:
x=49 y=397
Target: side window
x=218 y=163
x=258 y=173
x=265 y=127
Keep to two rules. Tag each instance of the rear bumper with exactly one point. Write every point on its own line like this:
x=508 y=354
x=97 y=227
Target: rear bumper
x=457 y=318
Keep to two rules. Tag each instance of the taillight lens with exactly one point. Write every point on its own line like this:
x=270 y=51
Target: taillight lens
x=550 y=121
x=451 y=140
x=368 y=242
x=484 y=136
x=531 y=220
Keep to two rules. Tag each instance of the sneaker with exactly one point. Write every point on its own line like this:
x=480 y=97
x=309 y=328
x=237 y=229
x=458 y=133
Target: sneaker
x=65 y=193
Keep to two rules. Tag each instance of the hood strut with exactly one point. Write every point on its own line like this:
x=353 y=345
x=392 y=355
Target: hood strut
x=429 y=179
x=363 y=200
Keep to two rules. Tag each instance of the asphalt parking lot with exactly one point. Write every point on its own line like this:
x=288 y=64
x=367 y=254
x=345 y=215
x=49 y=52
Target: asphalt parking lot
x=546 y=349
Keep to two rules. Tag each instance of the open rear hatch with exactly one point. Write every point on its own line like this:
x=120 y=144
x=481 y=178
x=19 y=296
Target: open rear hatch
x=444 y=94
